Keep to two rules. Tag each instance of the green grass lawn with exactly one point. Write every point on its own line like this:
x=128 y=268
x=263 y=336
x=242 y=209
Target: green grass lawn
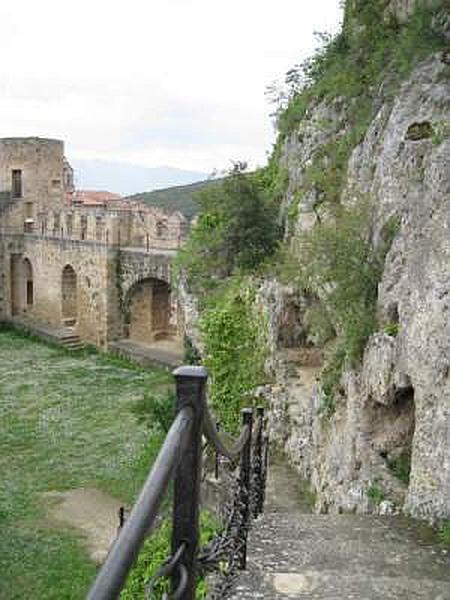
x=66 y=421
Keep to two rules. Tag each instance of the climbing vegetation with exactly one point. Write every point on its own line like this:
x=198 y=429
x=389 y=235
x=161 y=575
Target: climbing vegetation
x=352 y=65
x=237 y=231
x=234 y=334
x=337 y=263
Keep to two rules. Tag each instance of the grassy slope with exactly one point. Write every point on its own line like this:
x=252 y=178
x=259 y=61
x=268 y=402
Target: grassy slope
x=179 y=198
x=65 y=422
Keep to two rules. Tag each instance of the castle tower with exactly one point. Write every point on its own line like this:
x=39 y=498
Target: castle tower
x=33 y=175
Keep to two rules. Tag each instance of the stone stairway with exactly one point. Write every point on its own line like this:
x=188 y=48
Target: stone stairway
x=293 y=554
x=70 y=341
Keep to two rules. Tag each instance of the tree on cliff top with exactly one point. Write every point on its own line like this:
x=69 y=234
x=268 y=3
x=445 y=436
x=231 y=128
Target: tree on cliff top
x=237 y=230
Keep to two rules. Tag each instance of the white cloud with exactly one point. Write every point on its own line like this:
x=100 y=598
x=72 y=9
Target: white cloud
x=179 y=82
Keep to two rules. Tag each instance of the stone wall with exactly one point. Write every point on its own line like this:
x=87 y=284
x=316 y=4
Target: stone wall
x=48 y=259
x=62 y=263
x=40 y=163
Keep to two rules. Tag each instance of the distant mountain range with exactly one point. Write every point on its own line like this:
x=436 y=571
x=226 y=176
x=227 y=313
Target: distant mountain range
x=127 y=179
x=181 y=198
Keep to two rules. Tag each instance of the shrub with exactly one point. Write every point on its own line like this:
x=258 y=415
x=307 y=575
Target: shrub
x=237 y=229
x=444 y=534
x=391 y=329
x=337 y=264
x=340 y=266
x=376 y=494
x=235 y=349
x=400 y=466
x=156 y=410
x=155 y=551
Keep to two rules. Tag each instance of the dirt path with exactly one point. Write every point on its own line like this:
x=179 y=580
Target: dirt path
x=92 y=512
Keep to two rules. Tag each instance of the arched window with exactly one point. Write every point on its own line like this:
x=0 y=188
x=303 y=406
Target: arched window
x=161 y=229
x=28 y=281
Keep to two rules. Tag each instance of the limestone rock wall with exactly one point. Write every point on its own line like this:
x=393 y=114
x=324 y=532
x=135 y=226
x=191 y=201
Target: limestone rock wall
x=398 y=403
x=401 y=9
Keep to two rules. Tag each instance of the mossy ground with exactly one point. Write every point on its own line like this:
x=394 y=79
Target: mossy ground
x=66 y=421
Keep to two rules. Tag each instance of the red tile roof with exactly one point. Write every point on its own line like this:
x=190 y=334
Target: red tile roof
x=93 y=197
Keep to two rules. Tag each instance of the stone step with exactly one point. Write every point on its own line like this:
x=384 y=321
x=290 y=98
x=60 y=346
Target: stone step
x=71 y=342
x=74 y=347
x=332 y=585
x=375 y=544
x=325 y=557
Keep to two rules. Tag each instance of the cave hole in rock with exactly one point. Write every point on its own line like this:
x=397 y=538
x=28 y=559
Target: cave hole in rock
x=294 y=329
x=419 y=131
x=391 y=325
x=394 y=427
x=392 y=313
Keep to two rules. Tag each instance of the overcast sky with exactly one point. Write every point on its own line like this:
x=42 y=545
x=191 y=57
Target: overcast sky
x=152 y=82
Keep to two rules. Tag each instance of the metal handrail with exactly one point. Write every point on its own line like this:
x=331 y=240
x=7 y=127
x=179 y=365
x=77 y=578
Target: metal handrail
x=211 y=433
x=113 y=574
x=180 y=460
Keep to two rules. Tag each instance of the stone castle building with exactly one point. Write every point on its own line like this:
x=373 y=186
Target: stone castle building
x=91 y=262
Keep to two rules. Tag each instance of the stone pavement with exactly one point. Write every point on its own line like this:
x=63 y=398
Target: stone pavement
x=293 y=554
x=165 y=353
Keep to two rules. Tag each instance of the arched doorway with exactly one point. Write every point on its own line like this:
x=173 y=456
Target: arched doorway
x=22 y=290
x=69 y=295
x=27 y=271
x=149 y=311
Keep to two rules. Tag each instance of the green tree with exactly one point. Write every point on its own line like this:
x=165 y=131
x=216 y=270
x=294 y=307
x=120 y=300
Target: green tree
x=238 y=228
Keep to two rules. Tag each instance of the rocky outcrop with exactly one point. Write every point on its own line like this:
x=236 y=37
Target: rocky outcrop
x=396 y=407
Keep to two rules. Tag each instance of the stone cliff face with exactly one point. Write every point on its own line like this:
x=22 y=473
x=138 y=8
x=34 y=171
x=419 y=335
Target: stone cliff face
x=386 y=447
x=401 y=9
x=396 y=406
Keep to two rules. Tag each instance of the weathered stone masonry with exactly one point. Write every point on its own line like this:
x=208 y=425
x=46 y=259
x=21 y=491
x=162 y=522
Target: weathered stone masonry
x=103 y=271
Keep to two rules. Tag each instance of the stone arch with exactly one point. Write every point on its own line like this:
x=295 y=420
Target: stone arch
x=162 y=229
x=69 y=295
x=148 y=310
x=143 y=267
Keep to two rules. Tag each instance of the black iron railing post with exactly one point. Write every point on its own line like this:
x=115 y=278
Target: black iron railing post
x=244 y=482
x=258 y=464
x=265 y=464
x=191 y=388
x=216 y=457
